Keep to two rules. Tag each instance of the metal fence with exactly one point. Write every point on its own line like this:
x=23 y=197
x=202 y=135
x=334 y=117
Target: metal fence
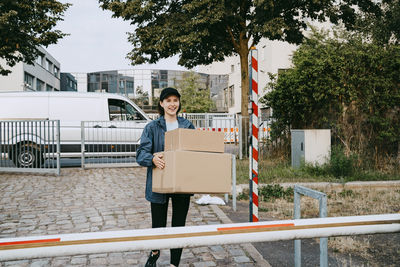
x=30 y=146
x=110 y=143
x=223 y=122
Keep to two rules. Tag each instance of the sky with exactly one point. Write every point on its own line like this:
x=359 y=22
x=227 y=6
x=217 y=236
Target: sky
x=97 y=42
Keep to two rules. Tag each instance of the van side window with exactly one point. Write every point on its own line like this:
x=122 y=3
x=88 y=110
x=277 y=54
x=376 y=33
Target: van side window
x=122 y=111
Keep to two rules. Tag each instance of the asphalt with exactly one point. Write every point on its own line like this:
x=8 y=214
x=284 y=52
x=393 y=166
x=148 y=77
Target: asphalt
x=94 y=200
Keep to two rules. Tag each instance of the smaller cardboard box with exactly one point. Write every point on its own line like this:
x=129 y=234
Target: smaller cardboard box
x=193 y=172
x=194 y=140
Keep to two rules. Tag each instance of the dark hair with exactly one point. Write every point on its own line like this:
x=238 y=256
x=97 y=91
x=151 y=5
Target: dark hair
x=166 y=92
x=161 y=109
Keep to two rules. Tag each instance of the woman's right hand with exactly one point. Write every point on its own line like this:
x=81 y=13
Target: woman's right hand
x=158 y=160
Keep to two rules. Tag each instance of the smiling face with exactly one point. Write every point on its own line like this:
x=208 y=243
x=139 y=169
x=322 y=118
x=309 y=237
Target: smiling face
x=170 y=105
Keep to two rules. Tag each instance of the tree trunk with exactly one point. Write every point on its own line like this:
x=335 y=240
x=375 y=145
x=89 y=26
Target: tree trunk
x=244 y=70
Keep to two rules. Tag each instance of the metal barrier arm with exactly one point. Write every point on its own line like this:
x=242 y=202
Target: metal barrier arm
x=194 y=236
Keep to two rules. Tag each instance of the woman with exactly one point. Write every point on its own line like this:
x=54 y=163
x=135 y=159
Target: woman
x=151 y=142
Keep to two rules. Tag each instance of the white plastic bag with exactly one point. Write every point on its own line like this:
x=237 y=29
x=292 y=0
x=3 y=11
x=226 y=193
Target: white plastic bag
x=207 y=199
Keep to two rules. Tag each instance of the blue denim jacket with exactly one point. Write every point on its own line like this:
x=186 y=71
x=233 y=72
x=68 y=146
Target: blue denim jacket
x=152 y=141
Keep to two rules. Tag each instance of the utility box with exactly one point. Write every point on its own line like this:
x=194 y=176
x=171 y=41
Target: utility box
x=310 y=146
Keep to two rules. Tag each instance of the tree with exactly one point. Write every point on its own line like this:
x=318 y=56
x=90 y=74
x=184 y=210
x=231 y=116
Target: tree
x=194 y=99
x=141 y=97
x=345 y=84
x=25 y=25
x=204 y=31
x=384 y=26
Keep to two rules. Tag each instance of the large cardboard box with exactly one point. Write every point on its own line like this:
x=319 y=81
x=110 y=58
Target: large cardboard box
x=194 y=140
x=193 y=172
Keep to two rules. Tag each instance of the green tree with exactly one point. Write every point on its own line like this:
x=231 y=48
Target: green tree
x=194 y=99
x=204 y=31
x=141 y=97
x=345 y=84
x=384 y=26
x=25 y=25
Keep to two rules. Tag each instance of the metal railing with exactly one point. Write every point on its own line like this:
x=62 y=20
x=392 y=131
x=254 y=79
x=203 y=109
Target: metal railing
x=110 y=143
x=323 y=244
x=30 y=146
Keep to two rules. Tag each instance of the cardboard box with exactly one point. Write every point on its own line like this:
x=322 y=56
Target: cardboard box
x=193 y=172
x=194 y=140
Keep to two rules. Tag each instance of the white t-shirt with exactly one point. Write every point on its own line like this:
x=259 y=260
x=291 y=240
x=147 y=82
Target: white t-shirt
x=172 y=126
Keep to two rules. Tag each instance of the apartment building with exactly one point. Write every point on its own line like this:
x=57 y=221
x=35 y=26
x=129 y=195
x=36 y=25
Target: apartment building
x=43 y=75
x=273 y=57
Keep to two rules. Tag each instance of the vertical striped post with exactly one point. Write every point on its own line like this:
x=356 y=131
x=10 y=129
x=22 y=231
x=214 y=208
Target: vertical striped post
x=253 y=150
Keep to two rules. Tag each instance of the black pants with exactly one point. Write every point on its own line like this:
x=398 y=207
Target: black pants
x=180 y=207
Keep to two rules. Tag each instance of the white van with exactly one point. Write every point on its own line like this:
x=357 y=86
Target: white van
x=110 y=113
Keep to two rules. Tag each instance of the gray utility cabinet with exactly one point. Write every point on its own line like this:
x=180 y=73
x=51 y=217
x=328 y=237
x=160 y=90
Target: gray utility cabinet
x=311 y=146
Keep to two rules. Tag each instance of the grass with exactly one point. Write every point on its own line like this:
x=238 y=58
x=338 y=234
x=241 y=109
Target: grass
x=343 y=200
x=271 y=171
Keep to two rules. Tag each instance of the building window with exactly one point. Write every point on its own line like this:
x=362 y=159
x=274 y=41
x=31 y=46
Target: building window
x=28 y=80
x=104 y=86
x=129 y=87
x=231 y=96
x=39 y=60
x=93 y=87
x=39 y=85
x=232 y=68
x=49 y=88
x=164 y=74
x=49 y=65
x=56 y=71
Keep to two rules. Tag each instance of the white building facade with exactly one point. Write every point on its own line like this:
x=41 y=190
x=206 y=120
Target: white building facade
x=43 y=75
x=273 y=56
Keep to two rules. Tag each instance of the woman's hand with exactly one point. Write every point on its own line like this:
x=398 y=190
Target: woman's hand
x=158 y=160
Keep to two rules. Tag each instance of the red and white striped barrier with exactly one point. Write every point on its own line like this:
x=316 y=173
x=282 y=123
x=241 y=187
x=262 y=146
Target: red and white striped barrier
x=253 y=152
x=193 y=236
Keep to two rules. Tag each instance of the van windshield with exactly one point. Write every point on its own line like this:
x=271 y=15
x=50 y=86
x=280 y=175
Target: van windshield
x=121 y=110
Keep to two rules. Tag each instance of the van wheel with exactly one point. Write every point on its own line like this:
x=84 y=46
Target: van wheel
x=27 y=156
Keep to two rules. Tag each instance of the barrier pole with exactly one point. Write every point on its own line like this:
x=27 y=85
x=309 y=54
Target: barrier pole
x=253 y=148
x=194 y=236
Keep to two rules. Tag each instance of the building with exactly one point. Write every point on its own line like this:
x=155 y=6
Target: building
x=273 y=57
x=68 y=82
x=43 y=75
x=150 y=81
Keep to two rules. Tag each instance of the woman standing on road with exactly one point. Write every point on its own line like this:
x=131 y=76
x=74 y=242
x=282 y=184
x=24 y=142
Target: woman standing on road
x=151 y=142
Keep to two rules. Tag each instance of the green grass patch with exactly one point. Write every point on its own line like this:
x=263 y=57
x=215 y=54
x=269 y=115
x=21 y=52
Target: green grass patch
x=273 y=171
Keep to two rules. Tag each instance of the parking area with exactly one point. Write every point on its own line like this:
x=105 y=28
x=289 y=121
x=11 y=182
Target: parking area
x=94 y=200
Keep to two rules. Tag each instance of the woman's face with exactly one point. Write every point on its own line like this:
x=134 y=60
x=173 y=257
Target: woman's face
x=170 y=105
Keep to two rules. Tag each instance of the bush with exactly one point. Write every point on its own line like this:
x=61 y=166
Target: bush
x=341 y=165
x=275 y=191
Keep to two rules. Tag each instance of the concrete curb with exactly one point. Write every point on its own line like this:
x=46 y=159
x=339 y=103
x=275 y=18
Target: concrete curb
x=248 y=247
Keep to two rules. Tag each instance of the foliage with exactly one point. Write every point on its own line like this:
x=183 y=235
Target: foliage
x=204 y=31
x=141 y=97
x=194 y=99
x=345 y=84
x=275 y=191
x=384 y=26
x=270 y=192
x=341 y=165
x=25 y=25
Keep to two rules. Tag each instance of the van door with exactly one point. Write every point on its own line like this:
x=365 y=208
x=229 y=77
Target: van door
x=126 y=125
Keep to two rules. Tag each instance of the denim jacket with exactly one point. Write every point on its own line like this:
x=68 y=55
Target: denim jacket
x=152 y=141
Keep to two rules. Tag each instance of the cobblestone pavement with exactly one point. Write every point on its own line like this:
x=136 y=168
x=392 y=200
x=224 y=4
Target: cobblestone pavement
x=93 y=200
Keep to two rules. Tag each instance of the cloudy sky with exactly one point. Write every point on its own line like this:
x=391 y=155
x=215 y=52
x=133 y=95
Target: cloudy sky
x=97 y=41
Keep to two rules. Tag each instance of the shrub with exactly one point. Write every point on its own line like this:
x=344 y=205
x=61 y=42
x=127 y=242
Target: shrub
x=341 y=165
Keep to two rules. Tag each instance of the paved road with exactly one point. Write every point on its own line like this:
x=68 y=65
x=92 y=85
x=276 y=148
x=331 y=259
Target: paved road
x=93 y=200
